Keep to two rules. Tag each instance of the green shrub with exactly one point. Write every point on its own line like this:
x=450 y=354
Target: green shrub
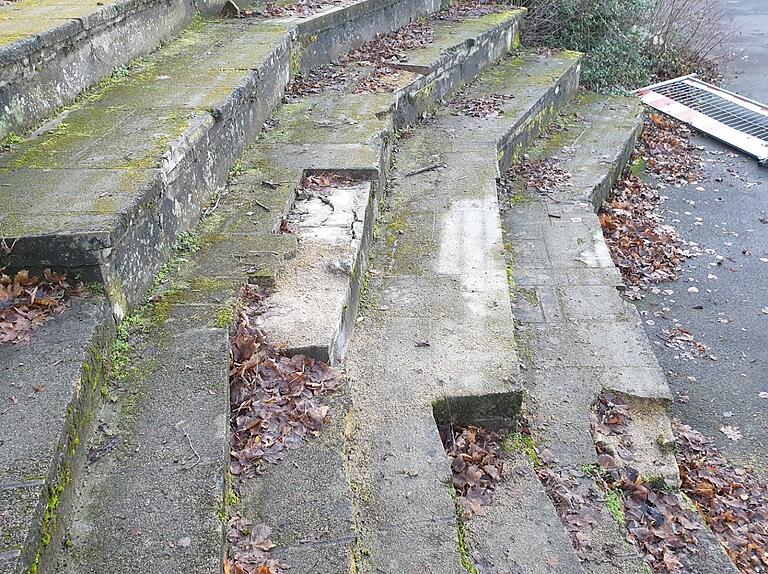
x=612 y=34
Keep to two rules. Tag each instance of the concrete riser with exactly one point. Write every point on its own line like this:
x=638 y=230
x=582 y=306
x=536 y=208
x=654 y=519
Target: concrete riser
x=513 y=145
x=41 y=74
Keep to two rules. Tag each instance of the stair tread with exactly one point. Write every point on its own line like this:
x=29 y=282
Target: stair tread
x=454 y=37
x=25 y=18
x=127 y=128
x=38 y=431
x=525 y=77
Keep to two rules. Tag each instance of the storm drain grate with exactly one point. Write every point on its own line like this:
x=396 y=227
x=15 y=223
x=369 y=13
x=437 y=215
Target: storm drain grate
x=728 y=117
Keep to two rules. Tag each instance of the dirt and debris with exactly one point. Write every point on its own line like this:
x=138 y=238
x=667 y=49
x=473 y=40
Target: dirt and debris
x=27 y=301
x=733 y=501
x=276 y=401
x=316 y=181
x=477 y=466
x=250 y=545
x=486 y=107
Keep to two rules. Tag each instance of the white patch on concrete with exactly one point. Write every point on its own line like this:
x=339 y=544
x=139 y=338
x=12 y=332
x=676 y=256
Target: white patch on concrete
x=597 y=255
x=470 y=248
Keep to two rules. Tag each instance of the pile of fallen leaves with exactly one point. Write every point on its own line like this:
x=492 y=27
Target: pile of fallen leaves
x=473 y=453
x=645 y=250
x=461 y=9
x=276 y=401
x=385 y=51
x=300 y=8
x=661 y=526
x=27 y=300
x=484 y=107
x=734 y=502
x=579 y=503
x=250 y=544
x=665 y=146
x=325 y=180
x=376 y=61
x=541 y=175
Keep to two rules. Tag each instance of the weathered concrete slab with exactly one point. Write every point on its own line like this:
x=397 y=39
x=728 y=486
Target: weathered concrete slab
x=51 y=51
x=50 y=386
x=521 y=531
x=161 y=486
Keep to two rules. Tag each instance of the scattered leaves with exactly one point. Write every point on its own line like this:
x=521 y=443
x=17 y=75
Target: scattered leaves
x=473 y=453
x=644 y=248
x=578 y=502
x=27 y=301
x=657 y=520
x=732 y=500
x=276 y=400
x=485 y=107
x=250 y=544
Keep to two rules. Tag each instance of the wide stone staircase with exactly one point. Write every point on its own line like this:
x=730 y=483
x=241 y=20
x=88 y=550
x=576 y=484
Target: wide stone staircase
x=166 y=156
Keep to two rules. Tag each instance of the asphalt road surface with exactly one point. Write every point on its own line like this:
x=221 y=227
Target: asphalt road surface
x=722 y=295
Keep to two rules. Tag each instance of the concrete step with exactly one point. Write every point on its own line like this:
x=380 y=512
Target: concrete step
x=55 y=380
x=314 y=302
x=191 y=312
x=578 y=337
x=51 y=52
x=122 y=174
x=436 y=322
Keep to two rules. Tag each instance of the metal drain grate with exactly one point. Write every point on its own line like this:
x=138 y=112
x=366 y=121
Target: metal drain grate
x=728 y=117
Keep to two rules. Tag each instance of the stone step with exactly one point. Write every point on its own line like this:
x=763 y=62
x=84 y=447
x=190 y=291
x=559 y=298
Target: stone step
x=578 y=337
x=436 y=322
x=316 y=296
x=51 y=52
x=312 y=308
x=52 y=383
x=122 y=174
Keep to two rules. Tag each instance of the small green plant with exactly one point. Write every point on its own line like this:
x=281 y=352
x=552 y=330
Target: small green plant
x=614 y=501
x=237 y=169
x=11 y=139
x=462 y=533
x=518 y=442
x=187 y=242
